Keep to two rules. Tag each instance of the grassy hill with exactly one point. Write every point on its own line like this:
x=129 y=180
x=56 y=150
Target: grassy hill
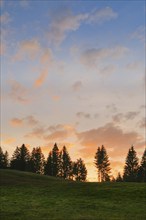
x=27 y=196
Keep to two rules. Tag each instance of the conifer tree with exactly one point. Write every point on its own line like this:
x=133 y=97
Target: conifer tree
x=49 y=165
x=20 y=158
x=37 y=161
x=142 y=169
x=55 y=161
x=65 y=164
x=98 y=163
x=79 y=170
x=15 y=160
x=4 y=161
x=131 y=166
x=102 y=164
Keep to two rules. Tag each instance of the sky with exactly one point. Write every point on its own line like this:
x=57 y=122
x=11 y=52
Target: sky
x=73 y=72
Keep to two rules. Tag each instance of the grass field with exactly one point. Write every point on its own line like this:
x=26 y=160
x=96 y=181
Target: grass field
x=27 y=196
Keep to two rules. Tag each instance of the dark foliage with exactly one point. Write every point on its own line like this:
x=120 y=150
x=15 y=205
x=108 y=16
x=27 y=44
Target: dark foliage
x=131 y=166
x=102 y=164
x=20 y=159
x=4 y=161
x=37 y=161
x=79 y=170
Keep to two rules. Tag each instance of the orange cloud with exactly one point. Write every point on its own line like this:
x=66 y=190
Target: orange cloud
x=30 y=120
x=41 y=78
x=56 y=97
x=113 y=137
x=30 y=48
x=16 y=122
x=9 y=140
x=60 y=133
x=46 y=60
x=46 y=57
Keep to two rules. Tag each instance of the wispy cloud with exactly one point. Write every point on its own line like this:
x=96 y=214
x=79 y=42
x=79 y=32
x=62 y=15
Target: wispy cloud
x=134 y=66
x=139 y=34
x=27 y=49
x=7 y=139
x=18 y=92
x=29 y=120
x=83 y=115
x=40 y=80
x=16 y=122
x=5 y=18
x=102 y=15
x=107 y=70
x=46 y=61
x=37 y=132
x=142 y=123
x=61 y=132
x=93 y=57
x=65 y=21
x=119 y=117
x=77 y=85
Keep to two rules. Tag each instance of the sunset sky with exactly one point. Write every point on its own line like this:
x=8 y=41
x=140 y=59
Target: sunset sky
x=73 y=72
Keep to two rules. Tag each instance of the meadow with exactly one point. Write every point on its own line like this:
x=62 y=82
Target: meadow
x=27 y=196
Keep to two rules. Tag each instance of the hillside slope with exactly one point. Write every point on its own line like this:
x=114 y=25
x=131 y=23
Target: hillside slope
x=26 y=196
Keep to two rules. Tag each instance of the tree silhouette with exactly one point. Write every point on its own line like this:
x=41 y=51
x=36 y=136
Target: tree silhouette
x=79 y=170
x=102 y=164
x=49 y=165
x=142 y=169
x=37 y=161
x=4 y=161
x=65 y=164
x=131 y=166
x=55 y=161
x=15 y=160
x=20 y=159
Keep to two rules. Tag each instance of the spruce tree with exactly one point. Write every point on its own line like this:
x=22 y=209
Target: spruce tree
x=4 y=161
x=20 y=159
x=102 y=164
x=65 y=164
x=142 y=169
x=131 y=166
x=37 y=161
x=55 y=161
x=24 y=158
x=15 y=160
x=98 y=163
x=79 y=170
x=49 y=165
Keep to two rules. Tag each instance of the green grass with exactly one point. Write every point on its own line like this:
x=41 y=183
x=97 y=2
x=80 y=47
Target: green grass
x=27 y=196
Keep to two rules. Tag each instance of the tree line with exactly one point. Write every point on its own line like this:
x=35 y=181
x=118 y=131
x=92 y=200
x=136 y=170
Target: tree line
x=59 y=164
